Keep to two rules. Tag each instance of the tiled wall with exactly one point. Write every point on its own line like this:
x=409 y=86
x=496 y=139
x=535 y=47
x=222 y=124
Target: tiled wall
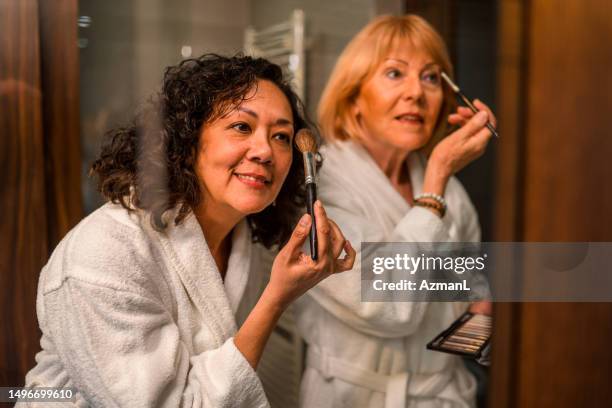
x=329 y=27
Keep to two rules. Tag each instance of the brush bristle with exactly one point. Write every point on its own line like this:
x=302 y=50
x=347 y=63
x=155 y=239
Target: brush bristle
x=305 y=141
x=450 y=83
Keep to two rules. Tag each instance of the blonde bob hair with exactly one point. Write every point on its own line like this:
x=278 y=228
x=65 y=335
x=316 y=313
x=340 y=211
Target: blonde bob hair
x=361 y=58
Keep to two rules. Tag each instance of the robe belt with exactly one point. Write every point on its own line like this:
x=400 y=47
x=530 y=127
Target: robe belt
x=396 y=387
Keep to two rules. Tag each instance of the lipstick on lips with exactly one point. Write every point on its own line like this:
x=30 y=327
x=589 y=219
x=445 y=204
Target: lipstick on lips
x=253 y=179
x=410 y=116
x=306 y=143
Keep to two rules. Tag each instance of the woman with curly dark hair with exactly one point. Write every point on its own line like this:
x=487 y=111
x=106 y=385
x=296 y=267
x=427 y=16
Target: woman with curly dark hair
x=156 y=298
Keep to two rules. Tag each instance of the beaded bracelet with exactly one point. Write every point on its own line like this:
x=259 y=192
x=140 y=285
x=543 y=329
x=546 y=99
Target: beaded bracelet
x=434 y=197
x=435 y=205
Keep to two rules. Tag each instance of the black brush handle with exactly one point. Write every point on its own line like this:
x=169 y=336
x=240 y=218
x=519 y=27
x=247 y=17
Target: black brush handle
x=475 y=110
x=311 y=197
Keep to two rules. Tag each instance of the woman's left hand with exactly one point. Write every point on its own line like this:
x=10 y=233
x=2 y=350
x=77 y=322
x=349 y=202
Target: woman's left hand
x=460 y=148
x=463 y=114
x=484 y=307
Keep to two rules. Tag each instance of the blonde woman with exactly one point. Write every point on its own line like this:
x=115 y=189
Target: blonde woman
x=384 y=105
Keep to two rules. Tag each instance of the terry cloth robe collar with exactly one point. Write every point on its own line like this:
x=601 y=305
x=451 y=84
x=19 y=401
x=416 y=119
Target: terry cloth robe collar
x=382 y=359
x=186 y=246
x=351 y=152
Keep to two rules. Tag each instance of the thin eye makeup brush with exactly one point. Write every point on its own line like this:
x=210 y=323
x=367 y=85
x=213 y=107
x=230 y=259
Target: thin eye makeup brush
x=466 y=100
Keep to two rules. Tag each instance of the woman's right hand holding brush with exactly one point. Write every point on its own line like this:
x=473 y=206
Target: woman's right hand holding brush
x=459 y=148
x=294 y=272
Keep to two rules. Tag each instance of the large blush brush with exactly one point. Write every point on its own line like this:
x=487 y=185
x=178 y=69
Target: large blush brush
x=306 y=143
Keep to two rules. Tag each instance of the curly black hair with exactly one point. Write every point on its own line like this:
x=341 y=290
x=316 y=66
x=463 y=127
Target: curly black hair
x=150 y=164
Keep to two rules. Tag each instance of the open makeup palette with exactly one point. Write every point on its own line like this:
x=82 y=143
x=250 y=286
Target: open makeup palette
x=468 y=336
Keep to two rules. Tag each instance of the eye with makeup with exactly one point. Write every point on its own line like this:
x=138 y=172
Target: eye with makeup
x=283 y=137
x=431 y=78
x=241 y=127
x=393 y=73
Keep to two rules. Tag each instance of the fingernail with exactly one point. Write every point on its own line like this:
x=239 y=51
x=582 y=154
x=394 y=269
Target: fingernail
x=318 y=204
x=481 y=118
x=304 y=220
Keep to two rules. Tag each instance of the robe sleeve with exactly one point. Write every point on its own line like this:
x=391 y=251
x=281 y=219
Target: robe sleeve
x=122 y=349
x=469 y=225
x=469 y=231
x=340 y=294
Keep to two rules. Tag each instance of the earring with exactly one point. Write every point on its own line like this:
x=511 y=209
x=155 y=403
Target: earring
x=274 y=203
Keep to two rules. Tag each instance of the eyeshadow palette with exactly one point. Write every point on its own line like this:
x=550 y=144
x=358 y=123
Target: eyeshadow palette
x=468 y=336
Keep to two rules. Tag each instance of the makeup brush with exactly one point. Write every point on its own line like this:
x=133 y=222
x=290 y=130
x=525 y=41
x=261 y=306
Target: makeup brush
x=306 y=143
x=469 y=104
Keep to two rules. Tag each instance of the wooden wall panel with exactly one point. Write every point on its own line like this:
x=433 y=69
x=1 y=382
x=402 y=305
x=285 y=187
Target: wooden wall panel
x=569 y=145
x=554 y=167
x=39 y=162
x=567 y=196
x=23 y=228
x=60 y=84
x=564 y=357
x=511 y=76
x=509 y=190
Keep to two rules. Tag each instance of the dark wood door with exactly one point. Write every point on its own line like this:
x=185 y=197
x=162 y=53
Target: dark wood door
x=552 y=178
x=40 y=162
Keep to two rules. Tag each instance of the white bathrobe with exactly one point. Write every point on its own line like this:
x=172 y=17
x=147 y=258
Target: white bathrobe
x=373 y=354
x=135 y=318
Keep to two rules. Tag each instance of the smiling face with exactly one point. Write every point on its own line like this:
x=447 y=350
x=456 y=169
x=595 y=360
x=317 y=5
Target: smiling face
x=399 y=103
x=245 y=155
